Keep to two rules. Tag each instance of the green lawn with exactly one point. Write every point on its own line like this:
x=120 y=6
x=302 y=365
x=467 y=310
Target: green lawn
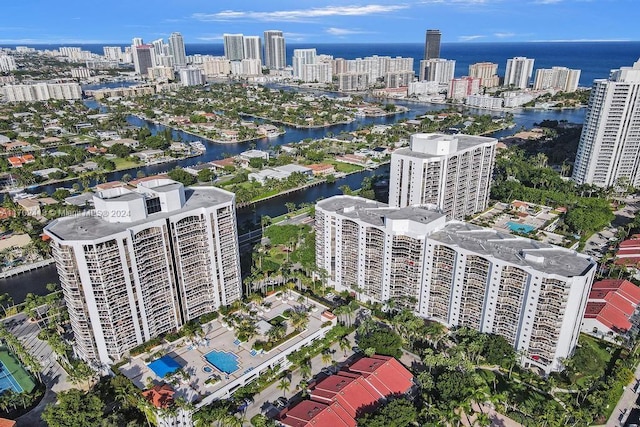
x=124 y=163
x=601 y=348
x=345 y=167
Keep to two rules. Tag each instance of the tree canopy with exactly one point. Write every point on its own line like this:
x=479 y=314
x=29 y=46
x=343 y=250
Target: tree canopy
x=74 y=408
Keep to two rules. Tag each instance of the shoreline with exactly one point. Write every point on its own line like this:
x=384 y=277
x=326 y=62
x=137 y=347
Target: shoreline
x=312 y=184
x=206 y=138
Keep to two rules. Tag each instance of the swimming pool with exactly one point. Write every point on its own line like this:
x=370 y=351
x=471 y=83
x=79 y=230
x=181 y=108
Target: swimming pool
x=7 y=382
x=164 y=365
x=520 y=228
x=223 y=361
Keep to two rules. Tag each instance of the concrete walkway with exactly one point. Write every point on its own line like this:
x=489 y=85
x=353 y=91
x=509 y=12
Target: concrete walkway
x=626 y=403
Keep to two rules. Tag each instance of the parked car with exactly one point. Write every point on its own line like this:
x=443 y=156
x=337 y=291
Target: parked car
x=281 y=402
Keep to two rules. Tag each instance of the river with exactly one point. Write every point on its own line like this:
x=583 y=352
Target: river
x=35 y=281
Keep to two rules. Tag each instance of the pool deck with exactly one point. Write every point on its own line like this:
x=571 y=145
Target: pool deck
x=218 y=336
x=529 y=215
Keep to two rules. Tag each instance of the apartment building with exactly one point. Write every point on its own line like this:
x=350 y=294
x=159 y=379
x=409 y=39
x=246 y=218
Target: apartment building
x=559 y=78
x=274 y=50
x=144 y=262
x=177 y=49
x=302 y=57
x=609 y=148
x=432 y=44
x=531 y=293
x=519 y=71
x=41 y=92
x=449 y=171
x=463 y=87
x=437 y=70
x=487 y=72
x=233 y=46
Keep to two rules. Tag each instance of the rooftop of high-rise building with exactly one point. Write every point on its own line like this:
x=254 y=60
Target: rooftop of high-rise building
x=430 y=221
x=120 y=208
x=514 y=249
x=429 y=145
x=626 y=74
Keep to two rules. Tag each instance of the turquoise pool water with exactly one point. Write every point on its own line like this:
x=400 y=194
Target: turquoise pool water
x=520 y=228
x=223 y=361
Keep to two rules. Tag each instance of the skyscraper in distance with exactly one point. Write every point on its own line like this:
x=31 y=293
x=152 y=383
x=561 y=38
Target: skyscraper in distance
x=177 y=50
x=252 y=47
x=274 y=50
x=519 y=71
x=234 y=47
x=143 y=58
x=432 y=44
x=609 y=149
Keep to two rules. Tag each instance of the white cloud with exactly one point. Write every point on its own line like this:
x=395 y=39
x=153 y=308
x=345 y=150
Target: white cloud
x=210 y=38
x=299 y=15
x=470 y=38
x=504 y=35
x=343 y=31
x=547 y=1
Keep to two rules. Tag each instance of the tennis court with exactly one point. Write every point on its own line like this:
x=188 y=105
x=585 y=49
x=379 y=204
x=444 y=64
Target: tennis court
x=12 y=375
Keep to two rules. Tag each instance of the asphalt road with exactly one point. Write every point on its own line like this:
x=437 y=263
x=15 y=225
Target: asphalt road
x=54 y=377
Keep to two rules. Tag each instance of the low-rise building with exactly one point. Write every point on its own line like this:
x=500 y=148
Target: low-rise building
x=341 y=398
x=131 y=143
x=33 y=207
x=148 y=155
x=612 y=310
x=322 y=169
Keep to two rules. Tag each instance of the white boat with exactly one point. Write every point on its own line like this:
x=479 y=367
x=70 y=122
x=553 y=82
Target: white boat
x=198 y=146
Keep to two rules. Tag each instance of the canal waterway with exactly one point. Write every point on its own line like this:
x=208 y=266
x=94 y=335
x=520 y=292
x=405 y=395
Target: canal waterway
x=35 y=281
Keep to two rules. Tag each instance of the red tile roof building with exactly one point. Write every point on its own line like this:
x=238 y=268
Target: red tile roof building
x=339 y=399
x=629 y=252
x=611 y=308
x=160 y=396
x=309 y=413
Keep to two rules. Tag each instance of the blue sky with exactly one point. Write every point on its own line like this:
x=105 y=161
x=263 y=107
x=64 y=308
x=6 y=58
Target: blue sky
x=310 y=21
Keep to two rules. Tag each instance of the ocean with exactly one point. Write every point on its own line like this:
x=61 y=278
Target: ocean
x=595 y=59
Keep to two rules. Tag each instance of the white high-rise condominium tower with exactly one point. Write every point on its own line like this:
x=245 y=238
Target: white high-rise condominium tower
x=609 y=148
x=144 y=262
x=437 y=70
x=234 y=47
x=531 y=293
x=302 y=57
x=252 y=47
x=518 y=73
x=177 y=50
x=452 y=172
x=274 y=50
x=560 y=78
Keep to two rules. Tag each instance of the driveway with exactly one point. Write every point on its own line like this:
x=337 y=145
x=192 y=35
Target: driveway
x=53 y=376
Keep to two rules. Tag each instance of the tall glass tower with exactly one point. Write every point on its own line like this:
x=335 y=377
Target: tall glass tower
x=432 y=44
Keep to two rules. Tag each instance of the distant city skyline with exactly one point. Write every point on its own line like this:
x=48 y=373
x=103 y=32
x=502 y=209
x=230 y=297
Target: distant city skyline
x=314 y=21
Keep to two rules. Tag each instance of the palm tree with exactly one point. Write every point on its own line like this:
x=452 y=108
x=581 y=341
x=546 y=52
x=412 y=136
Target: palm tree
x=299 y=320
x=327 y=357
x=284 y=385
x=344 y=345
x=305 y=368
